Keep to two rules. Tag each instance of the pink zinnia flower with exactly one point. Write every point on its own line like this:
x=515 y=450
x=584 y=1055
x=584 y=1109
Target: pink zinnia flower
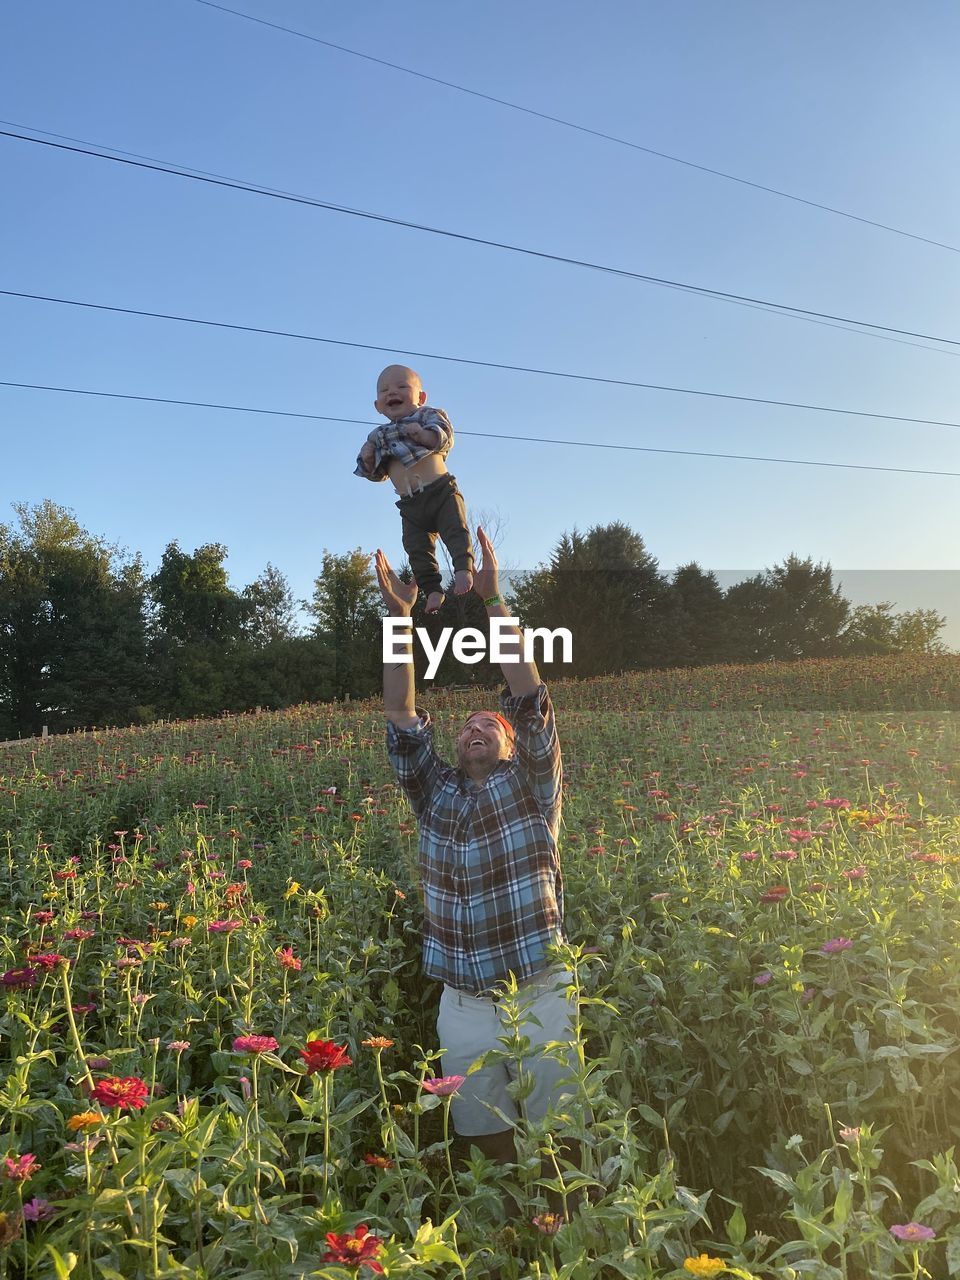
x=912 y=1232
x=22 y=1168
x=255 y=1044
x=443 y=1086
x=762 y=979
x=834 y=945
x=224 y=926
x=37 y=1210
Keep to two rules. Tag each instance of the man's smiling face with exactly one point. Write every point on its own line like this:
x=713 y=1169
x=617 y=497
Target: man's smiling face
x=399 y=392
x=482 y=744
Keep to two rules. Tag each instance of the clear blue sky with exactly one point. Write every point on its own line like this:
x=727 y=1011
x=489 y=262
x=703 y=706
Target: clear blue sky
x=852 y=105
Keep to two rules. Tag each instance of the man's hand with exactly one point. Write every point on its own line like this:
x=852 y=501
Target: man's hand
x=398 y=597
x=486 y=580
x=399 y=692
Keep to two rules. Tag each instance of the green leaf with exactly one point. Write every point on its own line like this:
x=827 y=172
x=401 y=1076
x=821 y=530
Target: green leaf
x=782 y=1180
x=843 y=1202
x=649 y=1114
x=953 y=1253
x=736 y=1226
x=62 y=1265
x=108 y=1273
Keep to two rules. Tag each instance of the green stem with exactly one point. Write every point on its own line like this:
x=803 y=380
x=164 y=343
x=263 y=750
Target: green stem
x=326 y=1133
x=391 y=1133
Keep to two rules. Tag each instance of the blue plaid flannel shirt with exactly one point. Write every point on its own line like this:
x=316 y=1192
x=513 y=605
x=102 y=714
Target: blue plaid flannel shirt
x=489 y=864
x=390 y=441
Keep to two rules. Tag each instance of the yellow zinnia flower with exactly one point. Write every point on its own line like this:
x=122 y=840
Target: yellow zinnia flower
x=704 y=1265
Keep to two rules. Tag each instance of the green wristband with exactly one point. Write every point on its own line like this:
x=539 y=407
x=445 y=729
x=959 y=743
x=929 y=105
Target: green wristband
x=492 y=600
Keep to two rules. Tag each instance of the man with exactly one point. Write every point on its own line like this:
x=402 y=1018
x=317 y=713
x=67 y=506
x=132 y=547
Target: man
x=489 y=870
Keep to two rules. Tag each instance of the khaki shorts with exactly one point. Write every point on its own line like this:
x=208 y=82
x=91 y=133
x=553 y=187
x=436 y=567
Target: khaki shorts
x=468 y=1026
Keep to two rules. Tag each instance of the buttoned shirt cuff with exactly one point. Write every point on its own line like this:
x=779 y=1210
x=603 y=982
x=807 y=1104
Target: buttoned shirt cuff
x=524 y=706
x=403 y=739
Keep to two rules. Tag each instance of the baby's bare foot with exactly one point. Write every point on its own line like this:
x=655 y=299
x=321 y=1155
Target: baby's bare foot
x=434 y=601
x=463 y=582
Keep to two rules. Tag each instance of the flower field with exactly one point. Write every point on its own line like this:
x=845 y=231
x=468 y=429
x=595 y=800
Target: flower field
x=217 y=1052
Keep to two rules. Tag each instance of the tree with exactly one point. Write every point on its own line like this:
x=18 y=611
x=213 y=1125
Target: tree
x=271 y=608
x=871 y=630
x=605 y=588
x=347 y=606
x=750 y=607
x=918 y=631
x=193 y=598
x=810 y=612
x=790 y=611
x=198 y=623
x=696 y=620
x=72 y=626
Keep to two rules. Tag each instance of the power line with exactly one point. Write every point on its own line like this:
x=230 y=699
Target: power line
x=543 y=255
x=492 y=435
x=482 y=364
x=137 y=155
x=580 y=128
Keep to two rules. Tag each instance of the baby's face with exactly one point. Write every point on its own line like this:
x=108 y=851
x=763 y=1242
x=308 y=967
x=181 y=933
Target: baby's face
x=399 y=393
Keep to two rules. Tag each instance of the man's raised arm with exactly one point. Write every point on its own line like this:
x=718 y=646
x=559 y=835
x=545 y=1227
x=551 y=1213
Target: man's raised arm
x=522 y=677
x=399 y=688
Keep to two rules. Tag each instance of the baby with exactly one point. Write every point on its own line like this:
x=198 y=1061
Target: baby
x=411 y=451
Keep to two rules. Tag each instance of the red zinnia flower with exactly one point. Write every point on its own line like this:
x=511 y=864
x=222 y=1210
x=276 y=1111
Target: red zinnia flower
x=357 y=1248
x=126 y=1092
x=288 y=960
x=255 y=1044
x=776 y=893
x=324 y=1055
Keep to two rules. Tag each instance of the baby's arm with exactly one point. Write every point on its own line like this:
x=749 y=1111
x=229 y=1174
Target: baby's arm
x=432 y=430
x=367 y=457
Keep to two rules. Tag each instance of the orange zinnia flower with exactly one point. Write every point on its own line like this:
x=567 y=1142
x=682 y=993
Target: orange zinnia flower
x=84 y=1120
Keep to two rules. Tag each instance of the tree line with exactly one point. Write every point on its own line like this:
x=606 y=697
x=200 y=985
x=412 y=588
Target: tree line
x=89 y=638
